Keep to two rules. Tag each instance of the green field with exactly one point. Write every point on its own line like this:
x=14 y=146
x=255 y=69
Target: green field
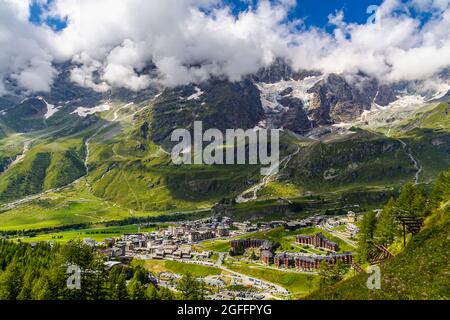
x=158 y=266
x=98 y=234
x=214 y=245
x=73 y=205
x=298 y=284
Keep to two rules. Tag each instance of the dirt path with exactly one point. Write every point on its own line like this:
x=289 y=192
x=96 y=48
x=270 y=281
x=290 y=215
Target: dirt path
x=27 y=144
x=26 y=147
x=269 y=178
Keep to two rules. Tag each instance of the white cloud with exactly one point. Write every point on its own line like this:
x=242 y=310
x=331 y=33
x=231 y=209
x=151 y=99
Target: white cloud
x=111 y=41
x=23 y=55
x=83 y=73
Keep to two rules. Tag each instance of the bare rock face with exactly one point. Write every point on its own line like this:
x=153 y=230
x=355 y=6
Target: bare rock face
x=295 y=119
x=280 y=70
x=217 y=103
x=386 y=94
x=340 y=98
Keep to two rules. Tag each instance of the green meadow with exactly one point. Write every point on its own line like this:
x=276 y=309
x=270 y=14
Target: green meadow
x=98 y=234
x=159 y=266
x=298 y=284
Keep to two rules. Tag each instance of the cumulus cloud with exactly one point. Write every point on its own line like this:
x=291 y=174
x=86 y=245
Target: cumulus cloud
x=24 y=57
x=111 y=42
x=188 y=41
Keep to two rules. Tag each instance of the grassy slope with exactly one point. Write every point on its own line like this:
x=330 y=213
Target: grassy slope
x=428 y=134
x=10 y=146
x=421 y=271
x=48 y=165
x=137 y=175
x=70 y=206
x=98 y=234
x=362 y=159
x=368 y=159
x=158 y=266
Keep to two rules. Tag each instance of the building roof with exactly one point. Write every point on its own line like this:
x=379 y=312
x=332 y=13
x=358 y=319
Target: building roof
x=266 y=254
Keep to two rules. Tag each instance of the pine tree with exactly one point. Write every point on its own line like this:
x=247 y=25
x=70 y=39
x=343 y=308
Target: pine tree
x=365 y=235
x=331 y=274
x=136 y=290
x=441 y=190
x=27 y=287
x=11 y=281
x=190 y=288
x=41 y=289
x=386 y=225
x=151 y=292
x=412 y=201
x=117 y=287
x=165 y=294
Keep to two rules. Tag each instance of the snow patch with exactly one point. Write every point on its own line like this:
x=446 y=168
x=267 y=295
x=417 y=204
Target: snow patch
x=84 y=112
x=406 y=102
x=443 y=89
x=198 y=93
x=270 y=92
x=51 y=109
x=261 y=125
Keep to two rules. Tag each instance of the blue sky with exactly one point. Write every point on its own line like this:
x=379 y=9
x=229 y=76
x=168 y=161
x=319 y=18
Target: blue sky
x=36 y=11
x=312 y=12
x=315 y=12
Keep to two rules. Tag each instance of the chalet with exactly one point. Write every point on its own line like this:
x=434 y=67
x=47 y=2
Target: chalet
x=89 y=242
x=352 y=229
x=159 y=253
x=313 y=263
x=351 y=216
x=109 y=242
x=246 y=243
x=267 y=257
x=318 y=240
x=204 y=255
x=196 y=236
x=222 y=232
x=284 y=260
x=294 y=225
x=266 y=245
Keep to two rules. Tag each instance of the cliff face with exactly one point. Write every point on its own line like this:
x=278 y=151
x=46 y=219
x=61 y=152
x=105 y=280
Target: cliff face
x=338 y=99
x=295 y=119
x=218 y=104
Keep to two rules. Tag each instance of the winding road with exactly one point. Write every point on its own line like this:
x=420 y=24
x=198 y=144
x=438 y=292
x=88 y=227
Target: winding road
x=274 y=170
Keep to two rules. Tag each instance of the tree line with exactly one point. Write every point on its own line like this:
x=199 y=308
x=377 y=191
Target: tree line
x=41 y=273
x=413 y=201
x=384 y=228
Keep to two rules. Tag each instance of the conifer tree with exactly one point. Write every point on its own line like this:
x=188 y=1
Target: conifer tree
x=386 y=225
